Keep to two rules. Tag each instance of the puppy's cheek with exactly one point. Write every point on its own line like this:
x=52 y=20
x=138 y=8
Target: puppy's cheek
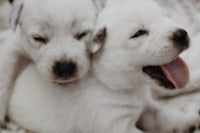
x=83 y=67
x=45 y=70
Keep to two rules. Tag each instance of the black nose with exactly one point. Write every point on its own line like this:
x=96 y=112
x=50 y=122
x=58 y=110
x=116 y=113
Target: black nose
x=64 y=69
x=181 y=39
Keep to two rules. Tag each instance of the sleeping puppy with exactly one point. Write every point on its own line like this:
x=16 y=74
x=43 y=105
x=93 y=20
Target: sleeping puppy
x=131 y=36
x=54 y=35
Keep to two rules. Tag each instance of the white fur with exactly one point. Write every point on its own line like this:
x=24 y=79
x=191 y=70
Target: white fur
x=115 y=94
x=4 y=13
x=57 y=21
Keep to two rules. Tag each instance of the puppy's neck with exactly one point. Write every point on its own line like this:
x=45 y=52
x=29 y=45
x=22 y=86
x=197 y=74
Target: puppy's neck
x=118 y=80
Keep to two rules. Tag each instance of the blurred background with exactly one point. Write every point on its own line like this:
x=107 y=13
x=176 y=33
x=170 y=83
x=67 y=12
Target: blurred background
x=186 y=12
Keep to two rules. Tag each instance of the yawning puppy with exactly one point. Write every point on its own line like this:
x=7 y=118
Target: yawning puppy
x=191 y=57
x=54 y=35
x=132 y=37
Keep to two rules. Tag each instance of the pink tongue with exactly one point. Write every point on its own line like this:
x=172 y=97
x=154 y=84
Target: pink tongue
x=176 y=72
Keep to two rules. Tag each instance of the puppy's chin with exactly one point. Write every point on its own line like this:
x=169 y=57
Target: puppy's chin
x=52 y=79
x=65 y=81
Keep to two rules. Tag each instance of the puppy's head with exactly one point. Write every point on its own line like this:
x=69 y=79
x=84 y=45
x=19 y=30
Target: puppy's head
x=56 y=35
x=142 y=44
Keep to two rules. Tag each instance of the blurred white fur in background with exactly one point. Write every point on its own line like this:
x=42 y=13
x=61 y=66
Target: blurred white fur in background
x=4 y=13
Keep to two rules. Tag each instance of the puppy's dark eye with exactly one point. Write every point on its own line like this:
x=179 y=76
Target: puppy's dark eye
x=139 y=33
x=40 y=39
x=80 y=36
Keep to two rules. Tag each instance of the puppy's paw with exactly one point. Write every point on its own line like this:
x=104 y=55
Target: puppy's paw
x=168 y=121
x=2 y=126
x=187 y=124
x=2 y=113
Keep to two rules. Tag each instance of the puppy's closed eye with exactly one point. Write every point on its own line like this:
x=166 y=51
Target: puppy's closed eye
x=40 y=39
x=81 y=35
x=139 y=33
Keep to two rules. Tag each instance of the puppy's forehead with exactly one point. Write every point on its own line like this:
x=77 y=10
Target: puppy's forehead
x=60 y=12
x=130 y=12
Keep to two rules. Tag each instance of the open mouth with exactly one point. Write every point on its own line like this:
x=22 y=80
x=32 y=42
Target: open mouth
x=172 y=75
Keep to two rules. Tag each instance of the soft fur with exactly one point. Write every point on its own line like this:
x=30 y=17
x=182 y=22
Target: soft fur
x=54 y=35
x=115 y=96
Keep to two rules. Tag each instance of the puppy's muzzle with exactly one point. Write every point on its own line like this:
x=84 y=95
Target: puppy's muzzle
x=181 y=39
x=64 y=69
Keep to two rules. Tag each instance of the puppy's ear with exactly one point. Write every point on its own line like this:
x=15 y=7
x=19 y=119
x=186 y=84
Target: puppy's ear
x=99 y=40
x=100 y=4
x=16 y=13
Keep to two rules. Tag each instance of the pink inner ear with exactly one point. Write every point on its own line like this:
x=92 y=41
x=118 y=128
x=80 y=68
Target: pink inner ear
x=95 y=47
x=177 y=72
x=99 y=40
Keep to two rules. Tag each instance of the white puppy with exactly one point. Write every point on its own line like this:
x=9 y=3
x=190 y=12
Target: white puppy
x=191 y=56
x=134 y=34
x=54 y=35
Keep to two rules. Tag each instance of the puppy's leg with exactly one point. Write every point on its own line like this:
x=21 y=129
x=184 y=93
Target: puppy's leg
x=157 y=118
x=8 y=62
x=121 y=120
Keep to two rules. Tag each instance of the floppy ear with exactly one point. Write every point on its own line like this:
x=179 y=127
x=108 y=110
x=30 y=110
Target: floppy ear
x=100 y=4
x=99 y=40
x=15 y=13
